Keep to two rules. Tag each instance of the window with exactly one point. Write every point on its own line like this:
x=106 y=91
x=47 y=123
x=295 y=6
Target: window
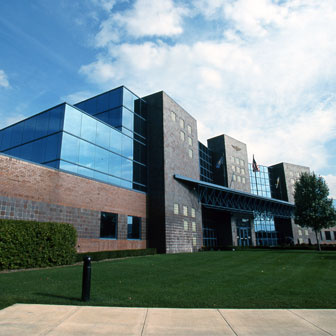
x=173 y=115
x=234 y=177
x=243 y=180
x=300 y=233
x=327 y=235
x=306 y=232
x=193 y=213
x=238 y=170
x=242 y=171
x=176 y=209
x=238 y=178
x=108 y=225
x=237 y=161
x=233 y=168
x=185 y=210
x=185 y=225
x=242 y=163
x=133 y=227
x=189 y=129
x=182 y=136
x=193 y=224
x=190 y=141
x=182 y=123
x=194 y=241
x=190 y=153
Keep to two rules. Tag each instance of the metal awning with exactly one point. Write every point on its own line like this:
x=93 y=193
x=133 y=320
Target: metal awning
x=218 y=197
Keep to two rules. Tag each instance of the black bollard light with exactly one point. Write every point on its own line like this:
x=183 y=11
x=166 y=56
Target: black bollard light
x=86 y=279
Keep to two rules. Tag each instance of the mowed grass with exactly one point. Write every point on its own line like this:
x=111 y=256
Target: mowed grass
x=240 y=279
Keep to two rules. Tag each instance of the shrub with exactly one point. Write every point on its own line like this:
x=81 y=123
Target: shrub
x=96 y=256
x=27 y=244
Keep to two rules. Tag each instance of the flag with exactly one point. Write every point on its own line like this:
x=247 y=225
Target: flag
x=255 y=166
x=277 y=183
x=220 y=162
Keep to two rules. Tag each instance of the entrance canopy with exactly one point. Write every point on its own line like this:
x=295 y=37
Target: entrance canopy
x=223 y=198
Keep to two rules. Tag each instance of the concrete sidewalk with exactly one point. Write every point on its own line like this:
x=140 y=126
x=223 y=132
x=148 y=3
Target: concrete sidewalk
x=24 y=319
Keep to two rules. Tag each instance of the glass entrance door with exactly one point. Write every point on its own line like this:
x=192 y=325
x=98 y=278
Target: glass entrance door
x=244 y=236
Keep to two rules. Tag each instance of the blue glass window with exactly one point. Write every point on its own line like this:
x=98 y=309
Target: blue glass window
x=103 y=135
x=70 y=148
x=101 y=160
x=115 y=141
x=16 y=134
x=115 y=117
x=85 y=171
x=68 y=166
x=72 y=120
x=56 y=117
x=133 y=227
x=127 y=147
x=89 y=128
x=128 y=119
x=114 y=164
x=53 y=146
x=126 y=169
x=29 y=130
x=103 y=103
x=108 y=225
x=128 y=99
x=86 y=154
x=42 y=122
x=6 y=138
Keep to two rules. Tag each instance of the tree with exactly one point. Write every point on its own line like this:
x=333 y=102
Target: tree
x=313 y=208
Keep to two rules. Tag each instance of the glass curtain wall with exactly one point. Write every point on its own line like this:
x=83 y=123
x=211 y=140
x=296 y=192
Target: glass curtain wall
x=205 y=162
x=94 y=149
x=264 y=225
x=37 y=138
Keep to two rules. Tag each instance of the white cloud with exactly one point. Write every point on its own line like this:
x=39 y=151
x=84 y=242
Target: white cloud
x=270 y=84
x=145 y=18
x=331 y=182
x=6 y=121
x=77 y=97
x=3 y=79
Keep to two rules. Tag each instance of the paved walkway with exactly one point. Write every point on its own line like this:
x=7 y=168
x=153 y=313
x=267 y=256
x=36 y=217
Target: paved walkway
x=24 y=319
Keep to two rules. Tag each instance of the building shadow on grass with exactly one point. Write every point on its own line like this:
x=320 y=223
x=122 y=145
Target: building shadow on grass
x=59 y=297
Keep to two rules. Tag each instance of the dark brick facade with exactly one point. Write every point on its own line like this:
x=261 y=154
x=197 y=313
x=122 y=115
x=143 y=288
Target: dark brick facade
x=33 y=192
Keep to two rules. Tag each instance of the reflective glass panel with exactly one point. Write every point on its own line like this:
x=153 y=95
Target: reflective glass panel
x=128 y=119
x=52 y=147
x=128 y=99
x=126 y=169
x=16 y=134
x=103 y=135
x=85 y=171
x=101 y=159
x=29 y=130
x=56 y=117
x=42 y=122
x=68 y=166
x=89 y=126
x=86 y=154
x=70 y=148
x=127 y=147
x=103 y=103
x=114 y=164
x=115 y=141
x=72 y=120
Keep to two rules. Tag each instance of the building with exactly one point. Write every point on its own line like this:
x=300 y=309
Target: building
x=129 y=172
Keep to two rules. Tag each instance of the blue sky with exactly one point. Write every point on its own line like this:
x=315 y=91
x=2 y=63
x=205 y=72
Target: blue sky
x=261 y=71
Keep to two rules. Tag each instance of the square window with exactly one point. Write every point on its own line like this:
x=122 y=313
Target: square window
x=190 y=141
x=238 y=170
x=182 y=123
x=193 y=224
x=194 y=241
x=193 y=213
x=185 y=224
x=108 y=225
x=185 y=210
x=182 y=136
x=176 y=209
x=190 y=153
x=189 y=129
x=173 y=115
x=238 y=178
x=133 y=227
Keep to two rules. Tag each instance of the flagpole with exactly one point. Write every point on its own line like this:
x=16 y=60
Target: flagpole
x=255 y=176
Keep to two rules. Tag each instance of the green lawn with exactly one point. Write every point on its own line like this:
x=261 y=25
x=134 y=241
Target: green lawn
x=241 y=279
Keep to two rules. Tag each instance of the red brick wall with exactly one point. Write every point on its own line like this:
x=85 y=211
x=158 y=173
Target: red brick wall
x=25 y=180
